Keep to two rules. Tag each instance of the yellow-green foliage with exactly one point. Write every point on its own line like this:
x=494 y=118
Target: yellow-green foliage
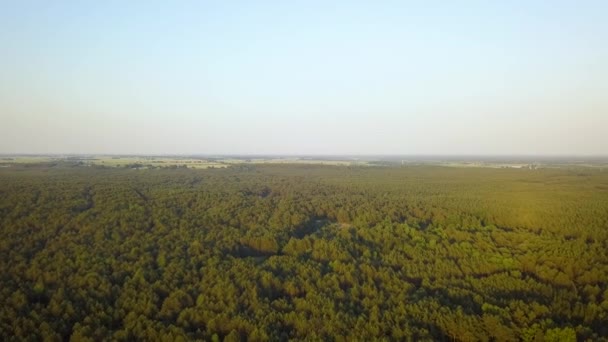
x=278 y=252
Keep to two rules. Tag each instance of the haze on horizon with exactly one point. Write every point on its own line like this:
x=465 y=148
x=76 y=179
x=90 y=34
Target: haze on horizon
x=314 y=77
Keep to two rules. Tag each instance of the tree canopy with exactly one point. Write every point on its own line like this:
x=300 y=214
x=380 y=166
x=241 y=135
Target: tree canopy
x=279 y=252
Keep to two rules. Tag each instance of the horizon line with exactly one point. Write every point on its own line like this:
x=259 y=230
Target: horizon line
x=562 y=155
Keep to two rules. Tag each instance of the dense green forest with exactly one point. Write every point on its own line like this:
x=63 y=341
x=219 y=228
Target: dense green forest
x=281 y=252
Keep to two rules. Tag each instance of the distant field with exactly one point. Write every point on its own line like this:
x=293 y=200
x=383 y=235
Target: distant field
x=117 y=161
x=26 y=159
x=158 y=162
x=295 y=161
x=168 y=161
x=200 y=162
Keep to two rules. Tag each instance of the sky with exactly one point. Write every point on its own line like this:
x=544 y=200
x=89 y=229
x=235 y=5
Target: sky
x=304 y=77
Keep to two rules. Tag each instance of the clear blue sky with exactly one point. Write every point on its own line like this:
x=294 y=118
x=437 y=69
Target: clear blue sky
x=286 y=77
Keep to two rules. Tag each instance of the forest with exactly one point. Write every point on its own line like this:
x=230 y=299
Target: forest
x=303 y=252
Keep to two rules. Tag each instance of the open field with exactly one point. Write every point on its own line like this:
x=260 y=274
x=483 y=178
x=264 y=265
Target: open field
x=204 y=162
x=118 y=161
x=193 y=163
x=295 y=160
x=17 y=159
x=174 y=161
